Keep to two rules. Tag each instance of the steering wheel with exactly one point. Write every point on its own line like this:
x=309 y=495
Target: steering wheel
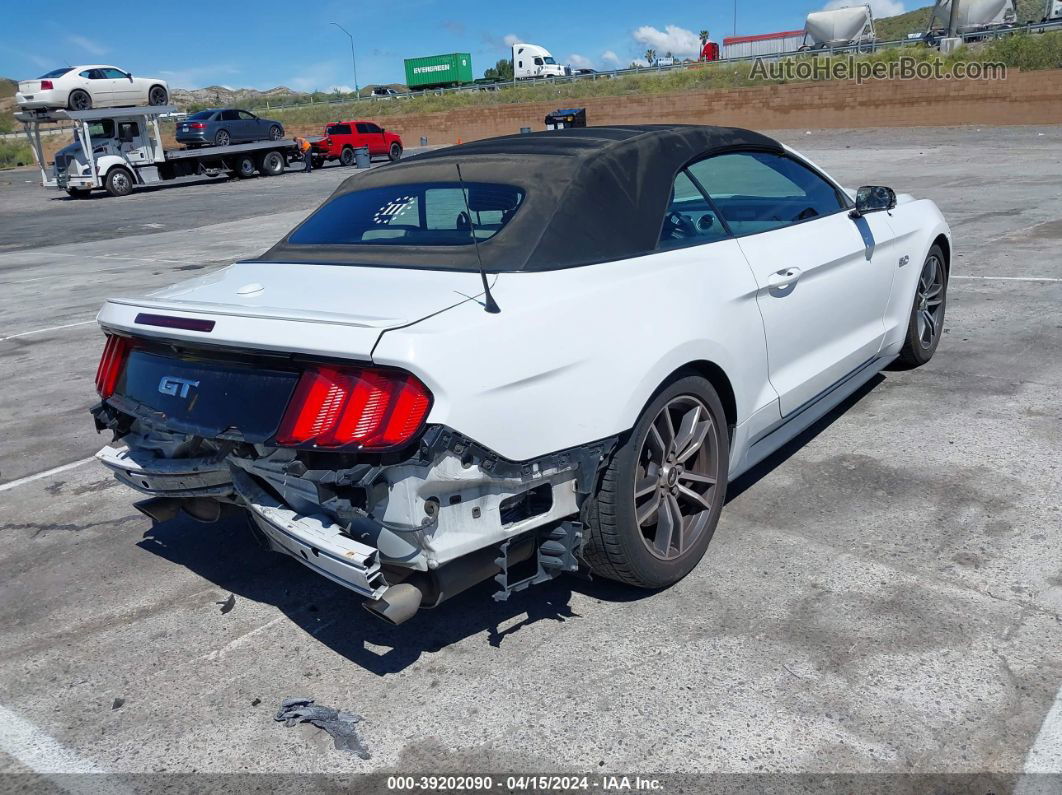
x=464 y=223
x=678 y=225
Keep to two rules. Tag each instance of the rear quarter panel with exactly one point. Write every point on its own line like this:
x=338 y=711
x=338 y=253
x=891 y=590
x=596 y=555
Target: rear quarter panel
x=574 y=355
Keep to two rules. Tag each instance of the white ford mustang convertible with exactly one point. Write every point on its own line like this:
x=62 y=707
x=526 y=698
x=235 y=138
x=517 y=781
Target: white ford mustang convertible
x=519 y=357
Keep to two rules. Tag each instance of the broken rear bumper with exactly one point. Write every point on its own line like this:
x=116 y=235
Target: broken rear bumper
x=149 y=473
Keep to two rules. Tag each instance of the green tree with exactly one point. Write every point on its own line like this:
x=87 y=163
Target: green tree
x=703 y=36
x=650 y=56
x=503 y=70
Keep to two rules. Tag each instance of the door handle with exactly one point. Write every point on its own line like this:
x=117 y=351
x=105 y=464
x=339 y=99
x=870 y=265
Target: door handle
x=783 y=278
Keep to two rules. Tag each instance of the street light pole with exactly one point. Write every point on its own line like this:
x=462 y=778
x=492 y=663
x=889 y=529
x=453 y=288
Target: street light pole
x=735 y=17
x=353 y=60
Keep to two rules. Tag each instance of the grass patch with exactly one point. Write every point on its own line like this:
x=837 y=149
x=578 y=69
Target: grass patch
x=15 y=153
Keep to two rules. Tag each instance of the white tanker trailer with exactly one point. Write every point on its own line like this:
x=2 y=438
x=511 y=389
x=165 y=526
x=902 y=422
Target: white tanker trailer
x=839 y=27
x=973 y=16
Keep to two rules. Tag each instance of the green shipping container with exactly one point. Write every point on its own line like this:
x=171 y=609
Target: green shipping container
x=432 y=71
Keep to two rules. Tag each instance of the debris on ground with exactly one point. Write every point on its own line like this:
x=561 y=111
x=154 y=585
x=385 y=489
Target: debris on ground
x=256 y=702
x=228 y=604
x=117 y=703
x=337 y=723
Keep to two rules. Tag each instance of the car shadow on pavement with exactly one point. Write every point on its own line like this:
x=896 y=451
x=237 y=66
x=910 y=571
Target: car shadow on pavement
x=228 y=555
x=745 y=481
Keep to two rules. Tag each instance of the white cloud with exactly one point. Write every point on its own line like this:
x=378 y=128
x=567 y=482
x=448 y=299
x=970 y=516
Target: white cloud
x=880 y=8
x=680 y=42
x=88 y=45
x=511 y=39
x=580 y=61
x=610 y=57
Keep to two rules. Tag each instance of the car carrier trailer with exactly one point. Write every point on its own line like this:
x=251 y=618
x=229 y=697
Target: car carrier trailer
x=117 y=149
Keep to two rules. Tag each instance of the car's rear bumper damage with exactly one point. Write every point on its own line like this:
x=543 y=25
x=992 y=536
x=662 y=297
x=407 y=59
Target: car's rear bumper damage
x=406 y=531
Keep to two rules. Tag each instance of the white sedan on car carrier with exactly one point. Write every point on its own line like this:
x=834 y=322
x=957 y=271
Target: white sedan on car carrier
x=93 y=86
x=519 y=357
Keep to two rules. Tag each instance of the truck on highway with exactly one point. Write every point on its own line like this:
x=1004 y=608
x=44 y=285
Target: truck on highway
x=839 y=27
x=117 y=149
x=531 y=61
x=439 y=71
x=973 y=16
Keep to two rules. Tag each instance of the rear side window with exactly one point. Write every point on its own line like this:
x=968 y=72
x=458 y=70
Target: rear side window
x=422 y=214
x=55 y=73
x=760 y=191
x=338 y=129
x=202 y=115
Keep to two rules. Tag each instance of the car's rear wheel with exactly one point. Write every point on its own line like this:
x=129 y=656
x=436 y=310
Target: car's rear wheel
x=119 y=182
x=926 y=325
x=222 y=138
x=272 y=163
x=275 y=133
x=158 y=96
x=659 y=500
x=346 y=157
x=395 y=152
x=79 y=100
x=243 y=166
x=318 y=162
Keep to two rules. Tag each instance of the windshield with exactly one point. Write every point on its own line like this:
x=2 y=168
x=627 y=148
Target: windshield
x=421 y=214
x=549 y=59
x=56 y=73
x=100 y=130
x=202 y=115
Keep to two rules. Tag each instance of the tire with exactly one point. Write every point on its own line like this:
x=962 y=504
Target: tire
x=79 y=100
x=78 y=193
x=271 y=164
x=617 y=545
x=346 y=157
x=926 y=324
x=119 y=182
x=158 y=95
x=318 y=162
x=243 y=166
x=276 y=132
x=222 y=138
x=395 y=152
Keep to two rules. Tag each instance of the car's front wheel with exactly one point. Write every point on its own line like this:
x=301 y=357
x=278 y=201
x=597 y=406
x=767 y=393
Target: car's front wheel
x=659 y=500
x=926 y=325
x=79 y=100
x=222 y=138
x=119 y=182
x=158 y=96
x=395 y=152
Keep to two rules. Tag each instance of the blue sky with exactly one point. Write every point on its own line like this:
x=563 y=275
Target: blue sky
x=265 y=43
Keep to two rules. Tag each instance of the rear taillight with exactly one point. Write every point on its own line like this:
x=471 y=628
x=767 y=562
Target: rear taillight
x=46 y=85
x=197 y=125
x=342 y=407
x=115 y=352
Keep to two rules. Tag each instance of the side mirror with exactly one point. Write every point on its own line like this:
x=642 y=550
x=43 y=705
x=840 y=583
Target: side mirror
x=872 y=199
x=130 y=76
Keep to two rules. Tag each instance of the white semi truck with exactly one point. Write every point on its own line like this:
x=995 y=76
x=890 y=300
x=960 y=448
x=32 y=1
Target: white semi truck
x=531 y=61
x=839 y=27
x=117 y=149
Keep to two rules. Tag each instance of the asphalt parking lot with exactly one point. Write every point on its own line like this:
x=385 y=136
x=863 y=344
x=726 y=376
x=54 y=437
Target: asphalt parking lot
x=884 y=596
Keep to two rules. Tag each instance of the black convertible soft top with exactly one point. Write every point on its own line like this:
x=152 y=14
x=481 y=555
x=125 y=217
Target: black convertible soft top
x=593 y=194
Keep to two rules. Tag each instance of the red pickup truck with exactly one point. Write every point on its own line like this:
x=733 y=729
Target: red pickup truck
x=342 y=137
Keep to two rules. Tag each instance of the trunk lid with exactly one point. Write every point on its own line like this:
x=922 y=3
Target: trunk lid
x=330 y=310
x=29 y=86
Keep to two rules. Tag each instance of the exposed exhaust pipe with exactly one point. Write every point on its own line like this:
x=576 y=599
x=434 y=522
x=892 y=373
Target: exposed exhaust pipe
x=159 y=509
x=162 y=509
x=398 y=604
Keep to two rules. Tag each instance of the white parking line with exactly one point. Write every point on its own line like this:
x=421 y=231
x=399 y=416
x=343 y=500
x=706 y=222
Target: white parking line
x=1010 y=278
x=38 y=751
x=47 y=473
x=1045 y=756
x=43 y=330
